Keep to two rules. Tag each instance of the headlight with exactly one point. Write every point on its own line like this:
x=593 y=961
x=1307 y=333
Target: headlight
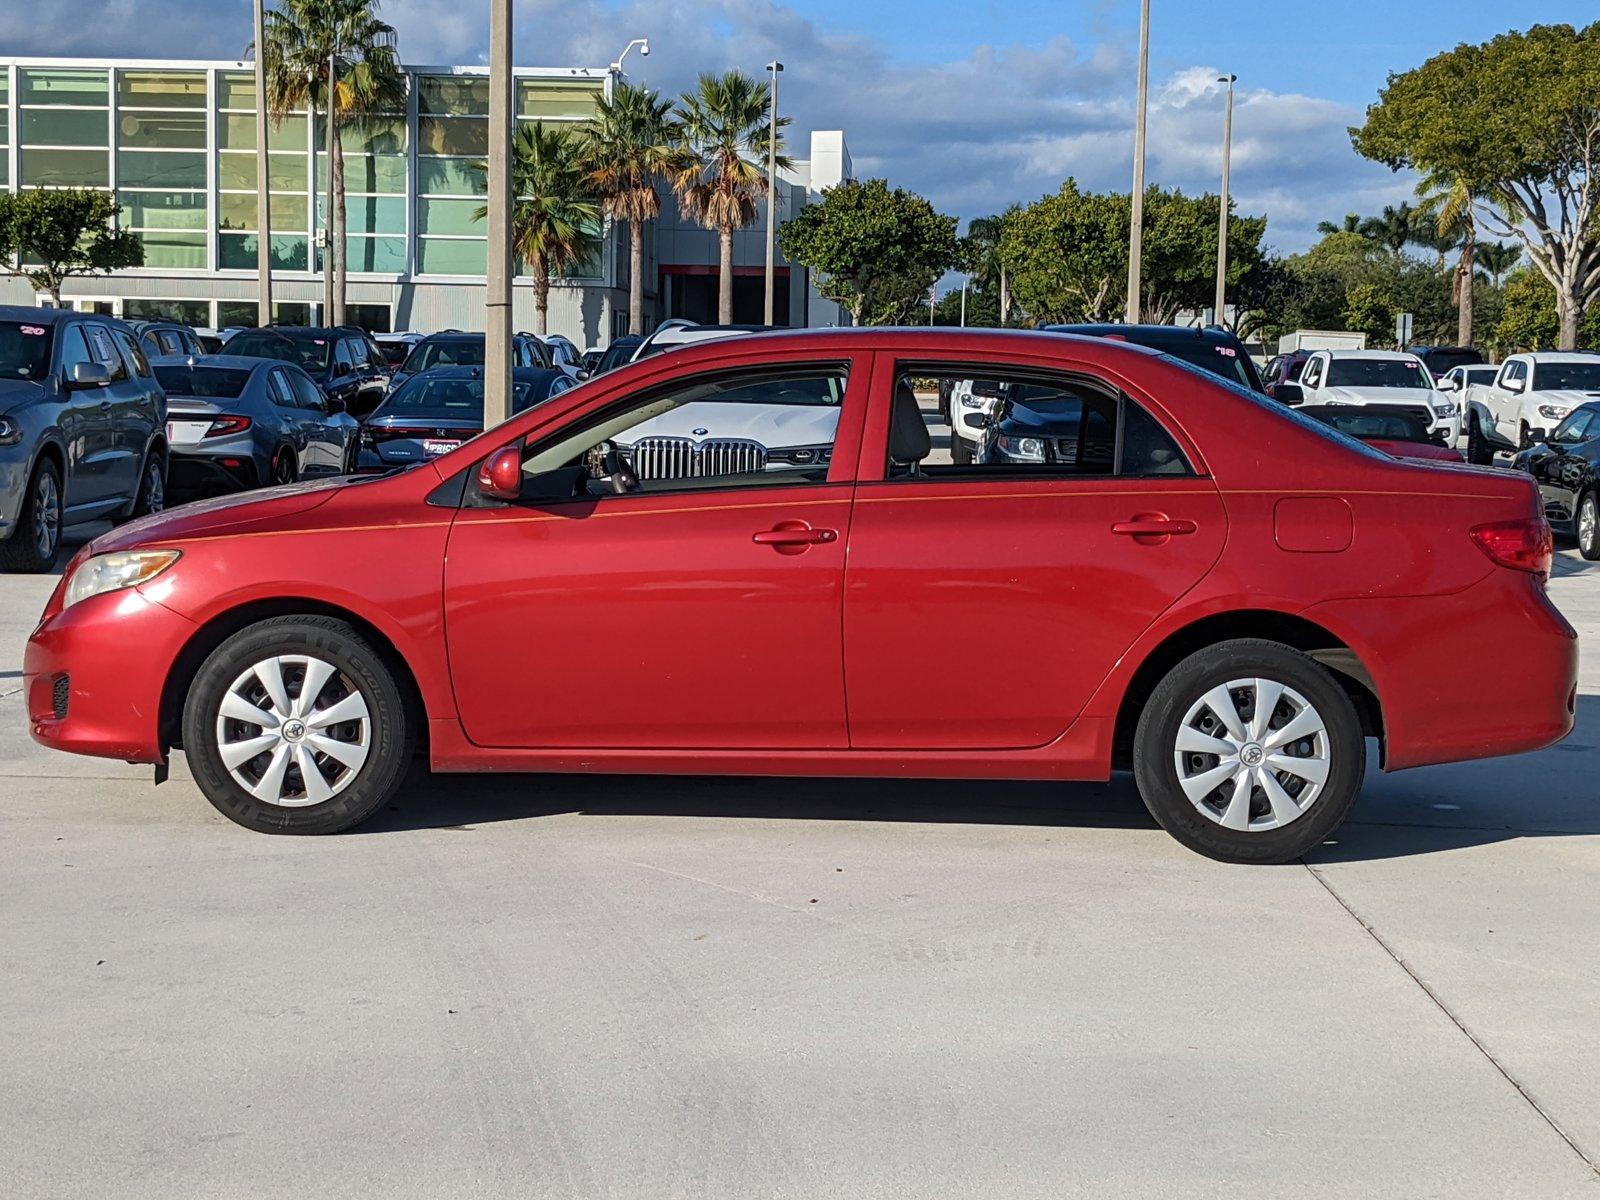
x=1552 y=412
x=1021 y=449
x=1444 y=410
x=113 y=572
x=10 y=432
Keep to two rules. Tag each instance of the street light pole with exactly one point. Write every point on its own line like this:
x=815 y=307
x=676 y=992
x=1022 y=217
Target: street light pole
x=330 y=300
x=497 y=314
x=1222 y=220
x=776 y=68
x=263 y=192
x=1136 y=224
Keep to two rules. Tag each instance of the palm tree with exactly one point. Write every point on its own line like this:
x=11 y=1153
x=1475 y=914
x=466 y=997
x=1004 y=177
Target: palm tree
x=1497 y=258
x=1446 y=206
x=983 y=261
x=302 y=36
x=628 y=146
x=554 y=214
x=1351 y=224
x=1392 y=228
x=726 y=130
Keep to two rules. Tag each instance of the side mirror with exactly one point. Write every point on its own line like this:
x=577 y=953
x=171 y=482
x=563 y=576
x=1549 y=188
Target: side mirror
x=1446 y=385
x=1515 y=385
x=500 y=476
x=1289 y=393
x=88 y=375
x=341 y=368
x=584 y=375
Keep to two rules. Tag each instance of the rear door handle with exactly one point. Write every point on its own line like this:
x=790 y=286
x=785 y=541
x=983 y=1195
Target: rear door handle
x=793 y=536
x=1154 y=525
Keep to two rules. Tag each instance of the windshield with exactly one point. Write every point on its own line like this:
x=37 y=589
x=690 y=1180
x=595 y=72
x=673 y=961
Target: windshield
x=207 y=383
x=456 y=352
x=1377 y=373
x=1564 y=376
x=24 y=350
x=1219 y=360
x=303 y=350
x=619 y=352
x=448 y=400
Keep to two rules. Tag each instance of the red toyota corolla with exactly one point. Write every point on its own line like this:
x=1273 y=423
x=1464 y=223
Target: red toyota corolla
x=747 y=557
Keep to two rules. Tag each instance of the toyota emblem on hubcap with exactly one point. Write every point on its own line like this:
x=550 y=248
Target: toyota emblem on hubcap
x=293 y=731
x=1251 y=755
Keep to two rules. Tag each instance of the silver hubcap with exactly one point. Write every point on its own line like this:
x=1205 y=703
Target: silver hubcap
x=1587 y=520
x=1252 y=755
x=46 y=515
x=293 y=730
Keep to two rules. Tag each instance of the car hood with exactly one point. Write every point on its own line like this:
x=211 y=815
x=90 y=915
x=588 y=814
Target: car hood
x=1417 y=451
x=1565 y=397
x=1377 y=395
x=223 y=514
x=773 y=425
x=17 y=391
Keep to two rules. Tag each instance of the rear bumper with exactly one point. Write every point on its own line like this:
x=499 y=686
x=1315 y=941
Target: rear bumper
x=222 y=469
x=1440 y=705
x=114 y=653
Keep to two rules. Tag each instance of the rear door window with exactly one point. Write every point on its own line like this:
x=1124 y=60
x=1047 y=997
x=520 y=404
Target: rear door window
x=105 y=351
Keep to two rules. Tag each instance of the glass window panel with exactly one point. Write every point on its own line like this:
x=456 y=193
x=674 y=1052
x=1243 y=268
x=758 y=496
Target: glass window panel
x=168 y=249
x=538 y=99
x=237 y=131
x=237 y=210
x=452 y=135
x=65 y=127
x=449 y=216
x=66 y=168
x=376 y=254
x=162 y=131
x=465 y=95
x=236 y=89
x=184 y=312
x=450 y=177
x=161 y=89
x=374 y=318
x=146 y=168
x=63 y=87
x=372 y=214
x=365 y=173
x=5 y=171
x=285 y=172
x=436 y=257
x=163 y=210
x=376 y=135
x=243 y=314
x=237 y=252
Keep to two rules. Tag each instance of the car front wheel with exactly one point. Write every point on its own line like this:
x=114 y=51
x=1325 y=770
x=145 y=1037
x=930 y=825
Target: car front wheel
x=296 y=725
x=1588 y=527
x=152 y=497
x=34 y=543
x=1250 y=752
x=1479 y=452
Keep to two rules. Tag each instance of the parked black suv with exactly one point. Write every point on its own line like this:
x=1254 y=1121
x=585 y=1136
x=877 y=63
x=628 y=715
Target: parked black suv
x=1441 y=360
x=166 y=339
x=1211 y=349
x=345 y=361
x=82 y=429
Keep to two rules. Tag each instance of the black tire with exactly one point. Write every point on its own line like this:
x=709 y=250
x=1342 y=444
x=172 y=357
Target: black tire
x=1588 y=543
x=35 y=544
x=1524 y=438
x=284 y=469
x=1155 y=749
x=358 y=667
x=1479 y=452
x=152 y=495
x=960 y=450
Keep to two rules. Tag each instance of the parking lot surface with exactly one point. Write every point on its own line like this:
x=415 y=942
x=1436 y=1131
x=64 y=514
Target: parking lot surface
x=602 y=986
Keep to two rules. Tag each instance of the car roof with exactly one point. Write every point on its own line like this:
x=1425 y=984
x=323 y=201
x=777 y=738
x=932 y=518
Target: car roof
x=1383 y=355
x=1558 y=356
x=522 y=374
x=232 y=362
x=1149 y=335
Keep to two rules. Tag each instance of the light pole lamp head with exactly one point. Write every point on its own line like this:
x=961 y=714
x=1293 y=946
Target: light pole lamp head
x=775 y=66
x=1230 y=80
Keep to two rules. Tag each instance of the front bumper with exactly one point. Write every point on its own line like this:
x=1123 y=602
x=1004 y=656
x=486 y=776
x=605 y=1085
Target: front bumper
x=113 y=653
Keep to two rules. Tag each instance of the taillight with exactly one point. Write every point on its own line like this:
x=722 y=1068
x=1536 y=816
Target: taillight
x=1524 y=545
x=227 y=425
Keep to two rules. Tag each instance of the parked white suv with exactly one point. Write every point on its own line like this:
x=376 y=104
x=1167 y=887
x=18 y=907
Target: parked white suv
x=1389 y=377
x=1531 y=395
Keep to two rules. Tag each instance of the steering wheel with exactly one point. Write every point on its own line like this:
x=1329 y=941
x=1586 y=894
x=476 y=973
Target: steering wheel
x=613 y=470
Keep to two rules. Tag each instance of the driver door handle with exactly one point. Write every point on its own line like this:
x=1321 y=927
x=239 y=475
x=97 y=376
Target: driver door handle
x=1154 y=525
x=794 y=533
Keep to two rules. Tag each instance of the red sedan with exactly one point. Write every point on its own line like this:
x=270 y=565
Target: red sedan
x=747 y=557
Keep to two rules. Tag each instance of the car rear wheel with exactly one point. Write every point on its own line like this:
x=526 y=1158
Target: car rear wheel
x=1524 y=437
x=283 y=468
x=296 y=725
x=34 y=543
x=1250 y=752
x=152 y=497
x=1588 y=527
x=1479 y=452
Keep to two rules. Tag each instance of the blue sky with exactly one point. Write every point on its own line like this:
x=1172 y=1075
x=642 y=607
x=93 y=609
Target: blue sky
x=975 y=103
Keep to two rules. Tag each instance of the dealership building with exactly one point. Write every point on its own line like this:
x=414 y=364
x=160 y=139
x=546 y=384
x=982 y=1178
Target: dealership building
x=175 y=142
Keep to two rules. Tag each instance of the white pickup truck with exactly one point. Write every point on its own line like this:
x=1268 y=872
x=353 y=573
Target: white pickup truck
x=1531 y=395
x=1387 y=377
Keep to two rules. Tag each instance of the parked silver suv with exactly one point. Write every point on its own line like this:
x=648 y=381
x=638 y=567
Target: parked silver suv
x=82 y=430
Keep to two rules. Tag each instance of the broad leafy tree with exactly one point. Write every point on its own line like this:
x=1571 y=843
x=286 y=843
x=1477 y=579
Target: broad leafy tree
x=726 y=127
x=628 y=147
x=1529 y=320
x=1517 y=121
x=57 y=234
x=874 y=249
x=302 y=35
x=554 y=215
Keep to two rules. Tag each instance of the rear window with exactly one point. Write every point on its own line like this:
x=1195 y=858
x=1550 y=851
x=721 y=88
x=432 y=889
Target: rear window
x=394 y=353
x=463 y=352
x=304 y=350
x=1219 y=360
x=1444 y=361
x=24 y=350
x=448 y=400
x=207 y=383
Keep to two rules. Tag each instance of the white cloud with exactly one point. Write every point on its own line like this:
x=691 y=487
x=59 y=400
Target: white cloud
x=1002 y=124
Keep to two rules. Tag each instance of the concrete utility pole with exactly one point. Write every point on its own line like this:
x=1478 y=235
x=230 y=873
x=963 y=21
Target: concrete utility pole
x=1222 y=220
x=330 y=313
x=263 y=190
x=1136 y=227
x=497 y=311
x=776 y=68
